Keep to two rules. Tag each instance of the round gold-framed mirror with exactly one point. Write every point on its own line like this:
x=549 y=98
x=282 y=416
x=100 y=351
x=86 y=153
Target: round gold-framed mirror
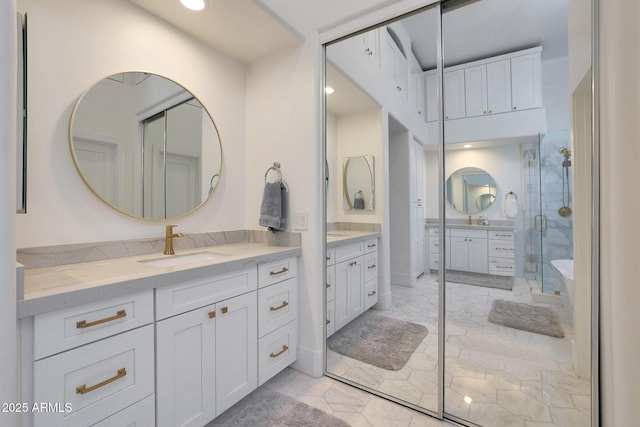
x=471 y=190
x=145 y=146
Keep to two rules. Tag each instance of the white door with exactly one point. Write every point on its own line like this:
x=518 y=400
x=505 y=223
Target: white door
x=236 y=349
x=185 y=353
x=99 y=162
x=183 y=181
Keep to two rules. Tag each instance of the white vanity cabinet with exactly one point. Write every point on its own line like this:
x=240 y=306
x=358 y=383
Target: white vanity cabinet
x=501 y=253
x=92 y=361
x=434 y=248
x=352 y=282
x=207 y=357
x=469 y=250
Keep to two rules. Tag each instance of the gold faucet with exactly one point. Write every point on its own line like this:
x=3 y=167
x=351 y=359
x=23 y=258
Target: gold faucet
x=168 y=241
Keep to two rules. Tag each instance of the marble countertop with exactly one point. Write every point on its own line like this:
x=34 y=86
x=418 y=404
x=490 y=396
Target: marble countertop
x=338 y=237
x=494 y=227
x=52 y=288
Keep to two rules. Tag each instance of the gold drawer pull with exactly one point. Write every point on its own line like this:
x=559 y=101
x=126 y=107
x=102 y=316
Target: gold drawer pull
x=224 y=310
x=274 y=355
x=371 y=266
x=275 y=273
x=372 y=293
x=351 y=264
x=372 y=245
x=328 y=321
x=83 y=389
x=328 y=285
x=283 y=305
x=212 y=314
x=83 y=323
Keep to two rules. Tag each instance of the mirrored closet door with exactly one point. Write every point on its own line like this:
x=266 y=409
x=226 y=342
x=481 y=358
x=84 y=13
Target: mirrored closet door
x=458 y=259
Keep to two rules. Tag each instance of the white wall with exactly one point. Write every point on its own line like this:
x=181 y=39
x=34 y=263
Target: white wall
x=555 y=93
x=619 y=66
x=72 y=45
x=335 y=186
x=283 y=117
x=8 y=83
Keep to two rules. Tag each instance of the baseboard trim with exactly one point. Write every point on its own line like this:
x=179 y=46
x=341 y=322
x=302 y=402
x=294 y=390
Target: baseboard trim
x=309 y=362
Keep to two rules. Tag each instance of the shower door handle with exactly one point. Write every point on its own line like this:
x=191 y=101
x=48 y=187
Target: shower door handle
x=543 y=223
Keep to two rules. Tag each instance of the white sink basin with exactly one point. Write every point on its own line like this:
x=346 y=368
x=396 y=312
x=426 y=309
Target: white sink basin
x=175 y=260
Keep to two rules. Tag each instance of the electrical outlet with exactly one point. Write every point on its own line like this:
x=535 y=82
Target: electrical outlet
x=300 y=221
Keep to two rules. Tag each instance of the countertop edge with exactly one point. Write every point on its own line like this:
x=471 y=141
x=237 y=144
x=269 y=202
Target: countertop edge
x=48 y=303
x=352 y=237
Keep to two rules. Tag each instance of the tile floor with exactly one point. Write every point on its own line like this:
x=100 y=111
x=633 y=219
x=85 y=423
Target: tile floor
x=495 y=376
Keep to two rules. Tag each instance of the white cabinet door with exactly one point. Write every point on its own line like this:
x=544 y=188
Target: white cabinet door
x=432 y=97
x=356 y=288
x=420 y=95
x=236 y=349
x=499 y=87
x=526 y=82
x=459 y=253
x=478 y=260
x=475 y=81
x=185 y=352
x=454 y=97
x=341 y=312
x=401 y=76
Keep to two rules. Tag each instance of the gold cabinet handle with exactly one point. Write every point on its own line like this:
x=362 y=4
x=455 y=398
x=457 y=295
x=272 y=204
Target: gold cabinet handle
x=281 y=306
x=372 y=245
x=224 y=310
x=212 y=314
x=351 y=264
x=327 y=321
x=275 y=273
x=274 y=355
x=328 y=285
x=84 y=324
x=83 y=389
x=371 y=266
x=372 y=293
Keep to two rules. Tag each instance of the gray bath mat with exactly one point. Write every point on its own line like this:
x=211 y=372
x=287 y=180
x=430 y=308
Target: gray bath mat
x=540 y=320
x=486 y=280
x=378 y=340
x=265 y=408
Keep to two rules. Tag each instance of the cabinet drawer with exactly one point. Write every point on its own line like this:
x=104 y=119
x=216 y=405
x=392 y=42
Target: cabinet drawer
x=371 y=266
x=277 y=271
x=370 y=245
x=141 y=414
x=435 y=232
x=346 y=252
x=502 y=266
x=277 y=306
x=331 y=256
x=330 y=286
x=172 y=300
x=371 y=293
x=434 y=245
x=473 y=234
x=501 y=248
x=71 y=327
x=501 y=235
x=96 y=380
x=276 y=351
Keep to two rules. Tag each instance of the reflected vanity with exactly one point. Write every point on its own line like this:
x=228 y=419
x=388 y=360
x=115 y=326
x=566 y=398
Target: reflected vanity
x=145 y=146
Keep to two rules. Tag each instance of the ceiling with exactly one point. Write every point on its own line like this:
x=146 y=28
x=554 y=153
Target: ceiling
x=235 y=27
x=348 y=97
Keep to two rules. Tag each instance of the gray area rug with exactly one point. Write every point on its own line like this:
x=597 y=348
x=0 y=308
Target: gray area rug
x=540 y=320
x=378 y=340
x=486 y=280
x=265 y=408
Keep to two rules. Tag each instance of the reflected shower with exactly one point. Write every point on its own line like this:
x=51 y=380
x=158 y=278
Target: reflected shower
x=565 y=210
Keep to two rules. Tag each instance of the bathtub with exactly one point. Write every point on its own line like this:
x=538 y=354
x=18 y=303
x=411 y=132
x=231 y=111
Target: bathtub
x=565 y=268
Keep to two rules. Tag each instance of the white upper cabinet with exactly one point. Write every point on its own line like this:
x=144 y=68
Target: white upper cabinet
x=395 y=65
x=431 y=80
x=454 y=99
x=420 y=94
x=475 y=80
x=369 y=42
x=526 y=82
x=499 y=87
x=488 y=88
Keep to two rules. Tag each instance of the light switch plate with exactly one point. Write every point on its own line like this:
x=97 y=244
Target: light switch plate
x=300 y=221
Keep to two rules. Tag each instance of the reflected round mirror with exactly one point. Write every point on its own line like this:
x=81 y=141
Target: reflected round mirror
x=359 y=182
x=145 y=146
x=471 y=190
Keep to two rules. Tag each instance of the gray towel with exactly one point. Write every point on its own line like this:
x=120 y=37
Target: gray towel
x=273 y=212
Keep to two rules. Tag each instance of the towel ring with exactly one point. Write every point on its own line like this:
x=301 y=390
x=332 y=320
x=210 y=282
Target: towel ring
x=276 y=168
x=511 y=193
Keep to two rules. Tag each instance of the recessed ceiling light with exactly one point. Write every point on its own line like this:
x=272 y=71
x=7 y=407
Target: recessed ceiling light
x=328 y=90
x=468 y=400
x=467 y=146
x=193 y=4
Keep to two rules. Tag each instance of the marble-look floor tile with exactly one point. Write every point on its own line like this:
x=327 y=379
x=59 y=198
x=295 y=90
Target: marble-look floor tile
x=564 y=417
x=491 y=414
x=524 y=407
